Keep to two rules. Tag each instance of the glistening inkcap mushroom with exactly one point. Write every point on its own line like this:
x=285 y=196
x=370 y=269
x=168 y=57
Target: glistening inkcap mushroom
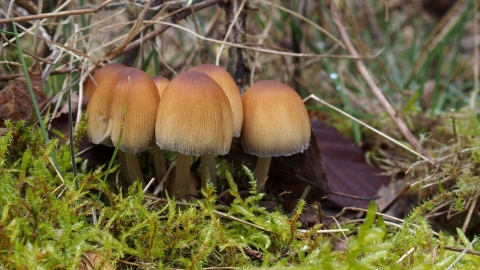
x=124 y=106
x=194 y=118
x=275 y=123
x=230 y=88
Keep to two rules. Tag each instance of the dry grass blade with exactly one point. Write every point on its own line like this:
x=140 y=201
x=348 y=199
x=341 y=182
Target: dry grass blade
x=462 y=254
x=368 y=126
x=56 y=14
x=362 y=69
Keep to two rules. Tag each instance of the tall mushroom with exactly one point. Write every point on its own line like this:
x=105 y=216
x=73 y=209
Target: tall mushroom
x=275 y=123
x=124 y=106
x=230 y=88
x=194 y=118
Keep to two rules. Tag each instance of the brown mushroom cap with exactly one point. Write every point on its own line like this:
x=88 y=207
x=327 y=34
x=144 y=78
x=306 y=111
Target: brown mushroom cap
x=161 y=83
x=194 y=116
x=130 y=98
x=275 y=120
x=102 y=73
x=223 y=78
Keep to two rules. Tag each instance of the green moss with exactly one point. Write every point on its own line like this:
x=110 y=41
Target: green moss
x=46 y=222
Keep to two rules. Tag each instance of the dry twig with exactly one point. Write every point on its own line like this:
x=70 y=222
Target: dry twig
x=56 y=14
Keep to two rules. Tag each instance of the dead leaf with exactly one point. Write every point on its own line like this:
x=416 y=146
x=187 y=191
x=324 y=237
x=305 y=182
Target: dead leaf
x=346 y=169
x=15 y=102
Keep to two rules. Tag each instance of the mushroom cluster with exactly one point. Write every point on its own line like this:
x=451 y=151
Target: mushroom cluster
x=197 y=113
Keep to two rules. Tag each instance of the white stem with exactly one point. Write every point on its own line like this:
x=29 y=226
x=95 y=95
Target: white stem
x=261 y=171
x=182 y=175
x=159 y=163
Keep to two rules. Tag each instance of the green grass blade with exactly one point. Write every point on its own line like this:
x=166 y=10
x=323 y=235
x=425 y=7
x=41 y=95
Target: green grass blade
x=32 y=96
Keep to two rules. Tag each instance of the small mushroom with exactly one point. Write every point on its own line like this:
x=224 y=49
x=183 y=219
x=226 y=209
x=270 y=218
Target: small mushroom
x=124 y=106
x=230 y=88
x=275 y=123
x=194 y=118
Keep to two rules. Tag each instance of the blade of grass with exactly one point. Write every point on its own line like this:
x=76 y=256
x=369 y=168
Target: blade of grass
x=32 y=96
x=70 y=136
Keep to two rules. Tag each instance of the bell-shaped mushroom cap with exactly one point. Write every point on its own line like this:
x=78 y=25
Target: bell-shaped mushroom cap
x=99 y=121
x=134 y=105
x=223 y=78
x=194 y=116
x=130 y=100
x=99 y=75
x=161 y=83
x=275 y=120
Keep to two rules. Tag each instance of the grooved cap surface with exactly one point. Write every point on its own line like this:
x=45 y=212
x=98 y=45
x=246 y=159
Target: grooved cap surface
x=130 y=97
x=161 y=83
x=99 y=75
x=225 y=80
x=194 y=116
x=275 y=120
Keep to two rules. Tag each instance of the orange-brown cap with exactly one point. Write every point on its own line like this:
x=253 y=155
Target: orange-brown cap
x=223 y=78
x=194 y=116
x=161 y=83
x=130 y=100
x=275 y=120
x=101 y=74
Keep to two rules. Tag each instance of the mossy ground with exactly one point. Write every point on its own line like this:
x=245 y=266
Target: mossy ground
x=46 y=222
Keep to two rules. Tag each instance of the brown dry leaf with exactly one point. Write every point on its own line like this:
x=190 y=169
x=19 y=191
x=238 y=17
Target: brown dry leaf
x=346 y=169
x=15 y=102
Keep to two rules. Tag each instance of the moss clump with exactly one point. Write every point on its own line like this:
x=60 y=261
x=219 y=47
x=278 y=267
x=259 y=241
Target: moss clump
x=46 y=222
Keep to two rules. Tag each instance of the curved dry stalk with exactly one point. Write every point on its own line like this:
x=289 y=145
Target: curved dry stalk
x=369 y=127
x=362 y=69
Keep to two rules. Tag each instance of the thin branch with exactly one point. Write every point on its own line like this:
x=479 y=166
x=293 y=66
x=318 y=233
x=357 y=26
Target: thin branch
x=9 y=77
x=181 y=14
x=362 y=69
x=276 y=52
x=219 y=50
x=56 y=14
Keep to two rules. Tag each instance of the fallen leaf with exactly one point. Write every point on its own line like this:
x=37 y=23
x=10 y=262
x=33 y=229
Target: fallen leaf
x=15 y=101
x=346 y=169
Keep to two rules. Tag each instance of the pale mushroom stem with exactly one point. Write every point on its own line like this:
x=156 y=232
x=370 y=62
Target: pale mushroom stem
x=131 y=167
x=208 y=162
x=159 y=163
x=182 y=175
x=261 y=171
